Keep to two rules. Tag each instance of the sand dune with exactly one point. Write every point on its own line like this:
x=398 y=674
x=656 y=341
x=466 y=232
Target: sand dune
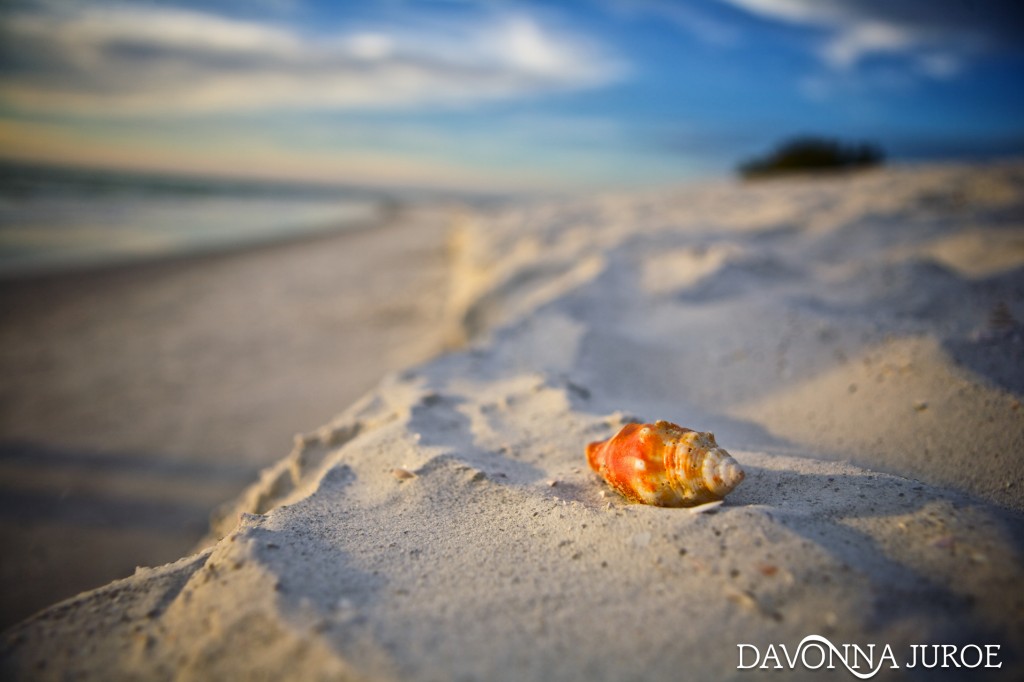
x=863 y=368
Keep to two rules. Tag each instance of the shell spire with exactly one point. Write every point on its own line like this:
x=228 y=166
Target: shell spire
x=665 y=464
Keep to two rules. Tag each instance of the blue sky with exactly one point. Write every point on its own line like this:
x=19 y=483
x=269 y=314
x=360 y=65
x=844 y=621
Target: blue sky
x=497 y=95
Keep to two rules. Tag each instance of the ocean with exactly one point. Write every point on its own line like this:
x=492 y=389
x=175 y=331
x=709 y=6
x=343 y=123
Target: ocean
x=57 y=219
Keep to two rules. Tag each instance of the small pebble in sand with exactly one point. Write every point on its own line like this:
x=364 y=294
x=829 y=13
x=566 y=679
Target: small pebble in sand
x=768 y=569
x=552 y=482
x=402 y=473
x=744 y=599
x=920 y=405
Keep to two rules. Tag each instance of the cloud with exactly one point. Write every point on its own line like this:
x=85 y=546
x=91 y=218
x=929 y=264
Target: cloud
x=683 y=16
x=119 y=59
x=938 y=36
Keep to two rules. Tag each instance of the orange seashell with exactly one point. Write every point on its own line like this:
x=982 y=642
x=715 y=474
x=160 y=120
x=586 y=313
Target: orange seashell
x=665 y=464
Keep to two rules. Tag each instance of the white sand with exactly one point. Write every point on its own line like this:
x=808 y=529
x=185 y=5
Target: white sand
x=854 y=342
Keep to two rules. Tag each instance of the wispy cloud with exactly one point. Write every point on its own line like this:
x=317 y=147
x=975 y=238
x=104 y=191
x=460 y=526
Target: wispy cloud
x=684 y=16
x=118 y=59
x=937 y=36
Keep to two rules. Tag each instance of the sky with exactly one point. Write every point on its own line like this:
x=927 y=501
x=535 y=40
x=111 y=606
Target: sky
x=501 y=96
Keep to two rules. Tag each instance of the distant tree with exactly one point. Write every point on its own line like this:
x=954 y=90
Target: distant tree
x=810 y=155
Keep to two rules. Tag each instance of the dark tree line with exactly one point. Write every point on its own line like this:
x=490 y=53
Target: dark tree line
x=812 y=154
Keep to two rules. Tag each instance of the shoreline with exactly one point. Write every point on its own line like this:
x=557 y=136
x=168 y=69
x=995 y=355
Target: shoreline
x=155 y=263
x=140 y=396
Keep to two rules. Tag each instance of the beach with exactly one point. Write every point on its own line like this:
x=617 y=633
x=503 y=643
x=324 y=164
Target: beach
x=853 y=340
x=139 y=397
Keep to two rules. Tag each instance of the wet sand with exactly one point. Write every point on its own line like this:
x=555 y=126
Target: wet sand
x=137 y=398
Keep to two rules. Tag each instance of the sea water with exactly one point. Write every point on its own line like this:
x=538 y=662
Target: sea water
x=58 y=219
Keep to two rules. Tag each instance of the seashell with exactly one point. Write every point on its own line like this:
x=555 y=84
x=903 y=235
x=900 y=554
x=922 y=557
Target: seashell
x=402 y=474
x=665 y=465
